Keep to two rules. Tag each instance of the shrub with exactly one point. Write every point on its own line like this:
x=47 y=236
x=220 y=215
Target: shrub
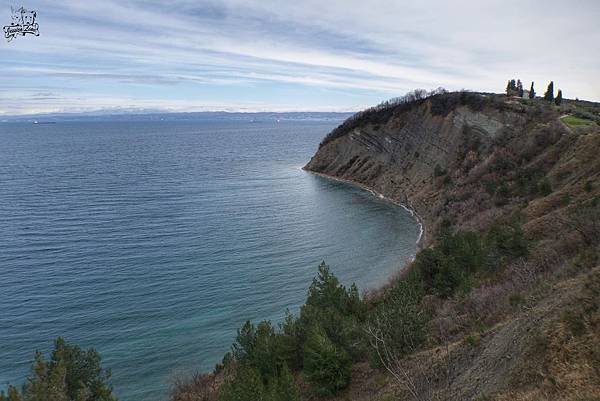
x=199 y=387
x=502 y=195
x=448 y=267
x=473 y=340
x=516 y=299
x=544 y=187
x=438 y=171
x=441 y=273
x=507 y=240
x=326 y=367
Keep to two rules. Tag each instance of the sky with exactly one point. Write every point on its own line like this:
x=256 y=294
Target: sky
x=303 y=55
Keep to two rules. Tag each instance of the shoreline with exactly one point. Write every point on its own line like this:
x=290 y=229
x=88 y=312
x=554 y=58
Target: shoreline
x=379 y=195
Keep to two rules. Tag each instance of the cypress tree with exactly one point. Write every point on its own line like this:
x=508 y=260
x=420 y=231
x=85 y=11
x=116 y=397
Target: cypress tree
x=531 y=92
x=558 y=99
x=508 y=88
x=519 y=88
x=549 y=95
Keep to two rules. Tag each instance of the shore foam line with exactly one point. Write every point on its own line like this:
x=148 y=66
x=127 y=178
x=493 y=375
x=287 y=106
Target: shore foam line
x=410 y=210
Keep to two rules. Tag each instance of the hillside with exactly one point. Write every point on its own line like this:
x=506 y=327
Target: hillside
x=501 y=303
x=527 y=329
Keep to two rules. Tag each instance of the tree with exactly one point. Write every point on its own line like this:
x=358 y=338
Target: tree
x=246 y=385
x=519 y=88
x=83 y=371
x=337 y=310
x=326 y=367
x=558 y=99
x=531 y=92
x=71 y=375
x=511 y=88
x=284 y=388
x=549 y=95
x=11 y=395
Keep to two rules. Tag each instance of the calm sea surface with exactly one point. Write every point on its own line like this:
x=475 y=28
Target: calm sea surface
x=154 y=241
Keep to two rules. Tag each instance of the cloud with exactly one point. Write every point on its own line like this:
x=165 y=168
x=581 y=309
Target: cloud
x=208 y=52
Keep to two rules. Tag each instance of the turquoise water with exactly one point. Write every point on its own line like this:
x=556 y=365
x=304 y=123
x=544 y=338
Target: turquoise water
x=154 y=241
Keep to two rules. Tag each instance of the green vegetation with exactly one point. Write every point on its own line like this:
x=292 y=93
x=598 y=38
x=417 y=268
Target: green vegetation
x=334 y=329
x=531 y=91
x=558 y=99
x=321 y=342
x=575 y=122
x=334 y=326
x=549 y=95
x=72 y=374
x=326 y=366
x=438 y=171
x=544 y=187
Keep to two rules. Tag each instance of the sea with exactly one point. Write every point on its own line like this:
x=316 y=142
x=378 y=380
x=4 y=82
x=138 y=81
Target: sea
x=153 y=240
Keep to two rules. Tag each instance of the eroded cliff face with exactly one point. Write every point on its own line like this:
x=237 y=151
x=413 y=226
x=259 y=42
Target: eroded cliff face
x=474 y=163
x=454 y=165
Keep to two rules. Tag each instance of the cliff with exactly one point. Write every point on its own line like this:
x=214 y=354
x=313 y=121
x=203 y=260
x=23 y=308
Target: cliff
x=463 y=156
x=472 y=160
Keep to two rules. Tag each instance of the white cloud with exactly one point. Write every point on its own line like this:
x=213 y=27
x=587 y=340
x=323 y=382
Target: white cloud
x=382 y=47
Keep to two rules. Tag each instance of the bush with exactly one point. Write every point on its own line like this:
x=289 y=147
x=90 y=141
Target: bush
x=502 y=195
x=438 y=171
x=507 y=240
x=544 y=187
x=326 y=367
x=473 y=340
x=448 y=267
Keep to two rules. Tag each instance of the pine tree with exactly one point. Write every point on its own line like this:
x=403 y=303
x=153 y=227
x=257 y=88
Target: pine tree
x=531 y=92
x=245 y=386
x=326 y=367
x=284 y=388
x=558 y=99
x=57 y=387
x=72 y=374
x=37 y=384
x=549 y=95
x=12 y=394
